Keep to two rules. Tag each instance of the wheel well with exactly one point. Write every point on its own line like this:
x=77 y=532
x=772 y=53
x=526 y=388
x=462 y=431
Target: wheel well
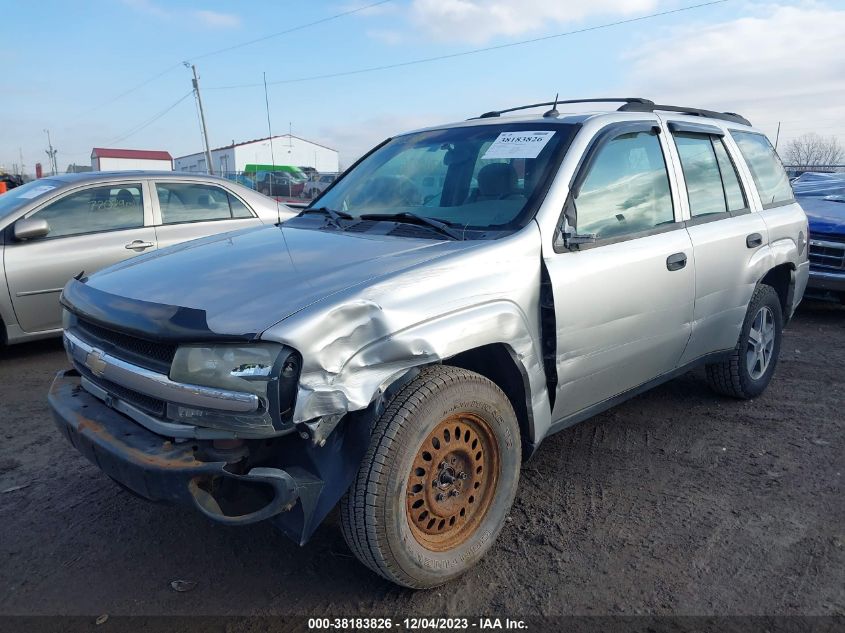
x=780 y=278
x=495 y=363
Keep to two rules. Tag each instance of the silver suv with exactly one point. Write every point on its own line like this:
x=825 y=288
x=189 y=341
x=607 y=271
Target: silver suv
x=403 y=351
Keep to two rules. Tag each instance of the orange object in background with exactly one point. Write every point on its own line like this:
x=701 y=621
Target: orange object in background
x=2 y=187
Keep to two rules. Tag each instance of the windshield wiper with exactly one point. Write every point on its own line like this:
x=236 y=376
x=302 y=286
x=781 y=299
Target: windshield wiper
x=412 y=218
x=331 y=214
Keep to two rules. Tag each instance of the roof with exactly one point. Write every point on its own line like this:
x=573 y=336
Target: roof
x=93 y=176
x=261 y=140
x=570 y=118
x=106 y=152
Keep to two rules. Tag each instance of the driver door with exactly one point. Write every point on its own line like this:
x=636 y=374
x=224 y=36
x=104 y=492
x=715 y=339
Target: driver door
x=90 y=228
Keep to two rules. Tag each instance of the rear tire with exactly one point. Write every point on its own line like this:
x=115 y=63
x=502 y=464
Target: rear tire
x=748 y=370
x=438 y=480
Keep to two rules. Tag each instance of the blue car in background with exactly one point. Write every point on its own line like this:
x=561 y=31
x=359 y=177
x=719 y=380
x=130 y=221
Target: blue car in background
x=822 y=196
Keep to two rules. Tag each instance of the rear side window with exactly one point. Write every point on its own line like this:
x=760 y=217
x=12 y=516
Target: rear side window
x=766 y=168
x=712 y=182
x=239 y=209
x=701 y=173
x=190 y=202
x=734 y=195
x=626 y=189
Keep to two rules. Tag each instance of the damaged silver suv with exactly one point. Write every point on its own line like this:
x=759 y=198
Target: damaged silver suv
x=407 y=341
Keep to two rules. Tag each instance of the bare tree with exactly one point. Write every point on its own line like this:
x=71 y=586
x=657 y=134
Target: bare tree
x=813 y=150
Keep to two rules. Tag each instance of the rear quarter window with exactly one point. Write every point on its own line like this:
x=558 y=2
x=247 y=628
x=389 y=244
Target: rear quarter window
x=766 y=169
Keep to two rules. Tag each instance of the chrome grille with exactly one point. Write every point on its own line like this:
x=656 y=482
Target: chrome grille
x=146 y=403
x=145 y=353
x=827 y=254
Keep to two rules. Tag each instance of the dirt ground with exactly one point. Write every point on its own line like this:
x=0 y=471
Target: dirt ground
x=677 y=502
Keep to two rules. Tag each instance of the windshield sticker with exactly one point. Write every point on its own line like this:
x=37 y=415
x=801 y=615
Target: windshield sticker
x=518 y=145
x=36 y=191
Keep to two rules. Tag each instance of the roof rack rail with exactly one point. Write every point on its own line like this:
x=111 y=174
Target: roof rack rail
x=629 y=104
x=712 y=114
x=644 y=103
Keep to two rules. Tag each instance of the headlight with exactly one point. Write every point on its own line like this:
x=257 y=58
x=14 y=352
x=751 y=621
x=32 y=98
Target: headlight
x=268 y=370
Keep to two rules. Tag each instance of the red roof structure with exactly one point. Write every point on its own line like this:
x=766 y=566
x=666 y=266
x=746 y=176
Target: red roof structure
x=105 y=152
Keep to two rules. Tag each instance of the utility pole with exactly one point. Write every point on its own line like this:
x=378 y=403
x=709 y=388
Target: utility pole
x=196 y=85
x=52 y=154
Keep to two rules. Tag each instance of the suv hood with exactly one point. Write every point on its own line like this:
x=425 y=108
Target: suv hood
x=241 y=283
x=826 y=216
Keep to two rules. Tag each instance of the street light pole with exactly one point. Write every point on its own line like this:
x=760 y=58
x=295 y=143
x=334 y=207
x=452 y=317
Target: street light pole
x=52 y=154
x=196 y=85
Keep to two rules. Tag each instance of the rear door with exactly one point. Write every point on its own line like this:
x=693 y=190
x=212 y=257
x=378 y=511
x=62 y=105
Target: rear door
x=90 y=228
x=623 y=304
x=784 y=217
x=726 y=236
x=189 y=210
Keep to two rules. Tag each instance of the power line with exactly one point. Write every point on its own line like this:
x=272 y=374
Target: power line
x=290 y=30
x=125 y=93
x=224 y=50
x=475 y=51
x=150 y=121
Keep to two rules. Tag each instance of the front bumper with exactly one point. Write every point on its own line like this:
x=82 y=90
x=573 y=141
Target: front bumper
x=830 y=281
x=160 y=469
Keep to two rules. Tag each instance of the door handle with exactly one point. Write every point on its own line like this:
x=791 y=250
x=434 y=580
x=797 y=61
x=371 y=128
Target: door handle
x=754 y=240
x=676 y=261
x=138 y=245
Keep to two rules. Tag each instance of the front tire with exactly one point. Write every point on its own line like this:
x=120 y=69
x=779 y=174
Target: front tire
x=748 y=370
x=438 y=480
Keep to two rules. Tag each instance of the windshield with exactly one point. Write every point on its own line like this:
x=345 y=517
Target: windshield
x=16 y=198
x=484 y=177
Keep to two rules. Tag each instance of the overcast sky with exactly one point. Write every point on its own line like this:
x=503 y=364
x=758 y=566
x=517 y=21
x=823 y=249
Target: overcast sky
x=100 y=73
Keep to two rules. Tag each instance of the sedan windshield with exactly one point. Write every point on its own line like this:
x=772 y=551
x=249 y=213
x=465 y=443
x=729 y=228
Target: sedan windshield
x=481 y=177
x=16 y=198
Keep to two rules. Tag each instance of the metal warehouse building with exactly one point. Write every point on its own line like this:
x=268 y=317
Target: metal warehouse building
x=107 y=159
x=287 y=150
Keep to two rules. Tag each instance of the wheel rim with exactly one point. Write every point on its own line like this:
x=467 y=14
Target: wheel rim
x=761 y=343
x=452 y=482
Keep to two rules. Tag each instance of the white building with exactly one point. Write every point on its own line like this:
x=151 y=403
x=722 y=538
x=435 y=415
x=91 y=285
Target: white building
x=106 y=159
x=287 y=150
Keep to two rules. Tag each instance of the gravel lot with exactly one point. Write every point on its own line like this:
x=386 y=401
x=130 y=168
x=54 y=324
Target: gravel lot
x=677 y=502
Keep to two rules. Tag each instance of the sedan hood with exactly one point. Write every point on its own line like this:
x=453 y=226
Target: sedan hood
x=242 y=283
x=827 y=217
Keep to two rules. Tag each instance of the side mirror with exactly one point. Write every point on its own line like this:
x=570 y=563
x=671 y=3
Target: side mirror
x=566 y=237
x=31 y=228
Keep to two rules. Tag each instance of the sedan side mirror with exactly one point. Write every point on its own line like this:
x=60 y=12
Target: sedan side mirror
x=31 y=228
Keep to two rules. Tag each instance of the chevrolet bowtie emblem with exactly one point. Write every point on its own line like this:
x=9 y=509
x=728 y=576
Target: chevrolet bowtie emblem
x=95 y=362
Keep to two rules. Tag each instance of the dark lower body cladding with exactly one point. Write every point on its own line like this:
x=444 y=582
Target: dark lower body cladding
x=235 y=487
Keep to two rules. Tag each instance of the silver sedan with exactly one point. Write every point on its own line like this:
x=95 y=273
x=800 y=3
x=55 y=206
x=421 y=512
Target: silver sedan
x=63 y=226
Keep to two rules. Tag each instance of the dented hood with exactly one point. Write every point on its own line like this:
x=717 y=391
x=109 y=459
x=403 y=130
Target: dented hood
x=241 y=283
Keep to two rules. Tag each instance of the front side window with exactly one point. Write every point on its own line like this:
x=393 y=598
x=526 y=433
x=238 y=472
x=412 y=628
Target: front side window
x=766 y=169
x=182 y=202
x=626 y=189
x=96 y=209
x=484 y=178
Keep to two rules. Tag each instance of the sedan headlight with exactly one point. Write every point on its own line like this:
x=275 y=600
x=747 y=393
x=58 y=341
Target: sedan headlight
x=267 y=370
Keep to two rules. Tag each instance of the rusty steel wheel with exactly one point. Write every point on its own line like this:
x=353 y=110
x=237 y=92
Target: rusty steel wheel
x=435 y=486
x=452 y=481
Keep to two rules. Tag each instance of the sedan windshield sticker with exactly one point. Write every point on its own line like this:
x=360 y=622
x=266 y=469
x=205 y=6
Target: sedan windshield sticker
x=518 y=145
x=36 y=191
